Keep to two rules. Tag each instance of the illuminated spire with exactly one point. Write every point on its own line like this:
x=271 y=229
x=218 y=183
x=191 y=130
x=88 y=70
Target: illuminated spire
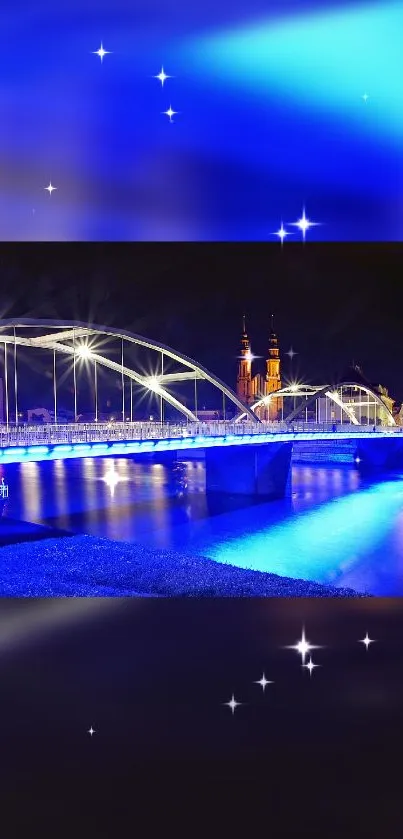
x=245 y=343
x=273 y=376
x=273 y=342
x=244 y=378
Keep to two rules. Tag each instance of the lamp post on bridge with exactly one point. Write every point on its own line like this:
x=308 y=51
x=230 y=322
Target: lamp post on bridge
x=96 y=390
x=6 y=383
x=74 y=376
x=54 y=386
x=84 y=352
x=123 y=389
x=161 y=399
x=15 y=378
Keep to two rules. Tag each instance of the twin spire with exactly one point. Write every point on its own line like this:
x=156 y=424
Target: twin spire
x=244 y=333
x=253 y=386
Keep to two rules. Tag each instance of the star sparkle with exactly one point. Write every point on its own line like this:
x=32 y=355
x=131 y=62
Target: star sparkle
x=282 y=233
x=291 y=353
x=365 y=97
x=162 y=76
x=310 y=666
x=367 y=641
x=91 y=731
x=304 y=224
x=170 y=113
x=50 y=188
x=101 y=52
x=111 y=479
x=232 y=704
x=303 y=647
x=263 y=682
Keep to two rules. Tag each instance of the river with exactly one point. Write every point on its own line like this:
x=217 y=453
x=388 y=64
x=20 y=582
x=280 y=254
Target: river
x=337 y=527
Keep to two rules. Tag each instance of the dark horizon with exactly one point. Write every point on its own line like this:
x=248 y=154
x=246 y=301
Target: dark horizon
x=334 y=304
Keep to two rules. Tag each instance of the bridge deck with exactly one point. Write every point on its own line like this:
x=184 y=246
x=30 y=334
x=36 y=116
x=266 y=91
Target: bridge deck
x=50 y=442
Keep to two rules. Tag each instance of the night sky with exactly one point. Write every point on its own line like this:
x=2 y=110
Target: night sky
x=271 y=116
x=333 y=304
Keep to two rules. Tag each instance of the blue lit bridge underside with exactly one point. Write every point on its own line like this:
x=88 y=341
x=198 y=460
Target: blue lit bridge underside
x=253 y=464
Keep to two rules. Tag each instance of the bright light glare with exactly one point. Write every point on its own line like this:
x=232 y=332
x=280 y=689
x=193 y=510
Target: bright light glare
x=112 y=479
x=84 y=351
x=153 y=384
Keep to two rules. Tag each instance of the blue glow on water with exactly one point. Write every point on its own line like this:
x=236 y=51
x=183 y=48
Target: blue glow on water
x=326 y=59
x=321 y=542
x=337 y=528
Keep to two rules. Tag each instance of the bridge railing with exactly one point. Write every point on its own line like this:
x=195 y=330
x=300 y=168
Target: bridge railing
x=72 y=433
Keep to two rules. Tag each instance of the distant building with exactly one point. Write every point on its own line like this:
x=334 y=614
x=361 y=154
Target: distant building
x=365 y=410
x=39 y=415
x=208 y=416
x=250 y=388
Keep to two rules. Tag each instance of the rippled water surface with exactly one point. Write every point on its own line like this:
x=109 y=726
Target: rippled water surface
x=336 y=528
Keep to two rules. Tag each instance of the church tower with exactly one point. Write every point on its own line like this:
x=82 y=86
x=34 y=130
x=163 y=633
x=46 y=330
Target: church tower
x=273 y=376
x=244 y=379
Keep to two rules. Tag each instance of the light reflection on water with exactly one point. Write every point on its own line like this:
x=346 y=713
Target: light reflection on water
x=336 y=527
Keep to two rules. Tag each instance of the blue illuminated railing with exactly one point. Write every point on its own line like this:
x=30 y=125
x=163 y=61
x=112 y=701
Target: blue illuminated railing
x=30 y=443
x=83 y=433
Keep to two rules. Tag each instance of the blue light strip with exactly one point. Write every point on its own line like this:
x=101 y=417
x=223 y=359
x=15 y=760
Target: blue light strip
x=20 y=454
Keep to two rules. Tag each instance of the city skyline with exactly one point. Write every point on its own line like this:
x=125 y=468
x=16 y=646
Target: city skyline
x=333 y=304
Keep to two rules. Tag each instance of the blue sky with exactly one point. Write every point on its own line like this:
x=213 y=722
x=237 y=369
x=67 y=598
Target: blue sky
x=270 y=118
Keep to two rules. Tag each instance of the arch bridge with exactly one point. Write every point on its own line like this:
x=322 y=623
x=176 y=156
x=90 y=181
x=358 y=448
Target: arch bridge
x=246 y=456
x=349 y=402
x=88 y=346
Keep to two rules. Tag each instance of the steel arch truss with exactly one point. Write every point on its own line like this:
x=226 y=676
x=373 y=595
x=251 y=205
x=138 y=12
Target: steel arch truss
x=55 y=334
x=309 y=394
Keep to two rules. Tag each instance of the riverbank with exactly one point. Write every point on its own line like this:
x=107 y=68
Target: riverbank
x=87 y=566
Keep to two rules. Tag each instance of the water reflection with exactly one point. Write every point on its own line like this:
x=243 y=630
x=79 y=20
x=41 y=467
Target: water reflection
x=336 y=527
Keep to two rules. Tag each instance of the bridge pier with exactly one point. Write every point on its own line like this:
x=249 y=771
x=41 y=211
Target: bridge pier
x=253 y=470
x=379 y=453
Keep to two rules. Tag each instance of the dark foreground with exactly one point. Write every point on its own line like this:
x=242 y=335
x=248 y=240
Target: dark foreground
x=311 y=756
x=86 y=566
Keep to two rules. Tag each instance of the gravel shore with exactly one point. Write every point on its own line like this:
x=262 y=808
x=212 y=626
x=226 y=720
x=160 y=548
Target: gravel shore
x=86 y=566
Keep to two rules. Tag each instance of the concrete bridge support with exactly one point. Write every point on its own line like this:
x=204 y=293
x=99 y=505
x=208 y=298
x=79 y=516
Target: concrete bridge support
x=252 y=470
x=376 y=453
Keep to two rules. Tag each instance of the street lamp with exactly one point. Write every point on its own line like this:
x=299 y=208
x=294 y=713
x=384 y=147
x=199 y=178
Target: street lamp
x=85 y=353
x=153 y=384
